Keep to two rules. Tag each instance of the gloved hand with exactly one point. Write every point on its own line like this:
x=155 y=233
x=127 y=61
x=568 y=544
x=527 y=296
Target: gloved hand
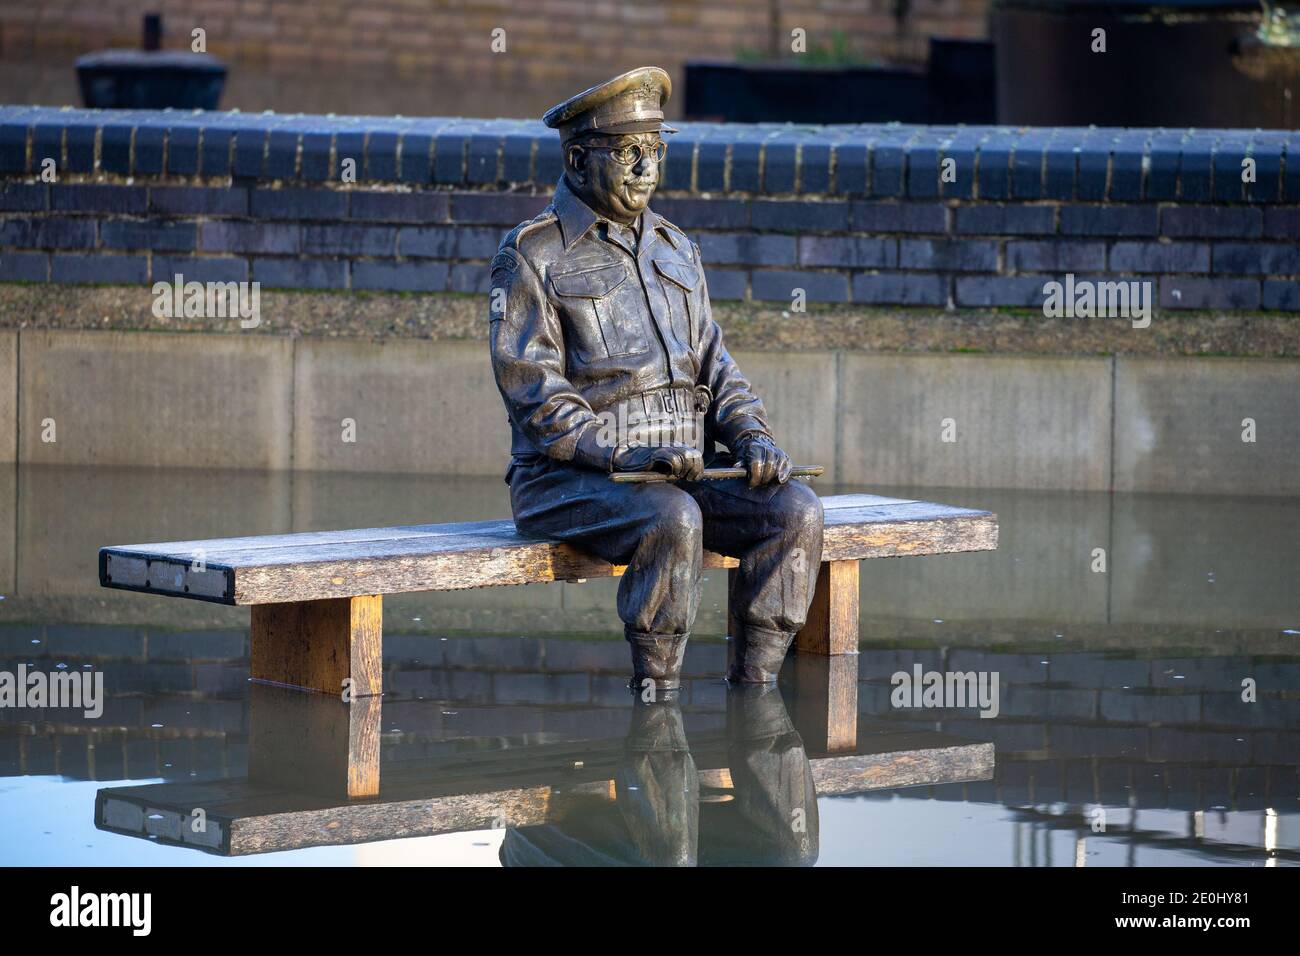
x=677 y=462
x=765 y=462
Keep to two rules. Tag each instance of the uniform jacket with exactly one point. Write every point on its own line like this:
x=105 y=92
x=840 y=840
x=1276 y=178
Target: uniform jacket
x=580 y=323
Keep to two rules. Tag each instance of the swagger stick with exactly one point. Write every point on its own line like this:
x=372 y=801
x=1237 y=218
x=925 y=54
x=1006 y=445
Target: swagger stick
x=712 y=474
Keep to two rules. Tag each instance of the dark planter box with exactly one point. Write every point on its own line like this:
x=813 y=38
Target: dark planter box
x=150 y=80
x=1196 y=63
x=777 y=93
x=958 y=88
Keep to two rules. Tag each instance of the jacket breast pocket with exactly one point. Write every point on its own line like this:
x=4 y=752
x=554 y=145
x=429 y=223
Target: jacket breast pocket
x=591 y=299
x=680 y=280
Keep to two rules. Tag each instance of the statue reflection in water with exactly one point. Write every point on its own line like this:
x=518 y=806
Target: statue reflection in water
x=760 y=810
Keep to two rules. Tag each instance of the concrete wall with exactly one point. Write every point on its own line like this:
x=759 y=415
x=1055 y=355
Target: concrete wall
x=8 y=395
x=113 y=398
x=1013 y=423
x=1180 y=426
x=431 y=407
x=420 y=407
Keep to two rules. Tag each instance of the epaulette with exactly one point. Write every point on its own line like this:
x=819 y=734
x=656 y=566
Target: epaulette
x=674 y=227
x=509 y=255
x=517 y=234
x=507 y=259
x=675 y=230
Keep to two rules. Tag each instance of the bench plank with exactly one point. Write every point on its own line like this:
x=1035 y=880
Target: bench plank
x=212 y=549
x=317 y=565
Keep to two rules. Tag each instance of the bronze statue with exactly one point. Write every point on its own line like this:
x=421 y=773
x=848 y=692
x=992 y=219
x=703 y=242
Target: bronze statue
x=609 y=360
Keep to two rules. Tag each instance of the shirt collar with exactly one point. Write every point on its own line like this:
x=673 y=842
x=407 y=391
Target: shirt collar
x=576 y=218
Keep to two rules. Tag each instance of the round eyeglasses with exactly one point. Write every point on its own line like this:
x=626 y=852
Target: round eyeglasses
x=632 y=153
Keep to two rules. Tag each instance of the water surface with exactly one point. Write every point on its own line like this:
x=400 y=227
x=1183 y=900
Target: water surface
x=1122 y=738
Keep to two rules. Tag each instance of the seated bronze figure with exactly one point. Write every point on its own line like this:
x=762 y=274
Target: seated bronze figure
x=609 y=360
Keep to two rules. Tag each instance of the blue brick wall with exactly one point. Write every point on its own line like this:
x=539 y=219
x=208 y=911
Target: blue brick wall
x=933 y=217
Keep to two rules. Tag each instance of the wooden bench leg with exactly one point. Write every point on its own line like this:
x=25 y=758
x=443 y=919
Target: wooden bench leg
x=317 y=645
x=832 y=626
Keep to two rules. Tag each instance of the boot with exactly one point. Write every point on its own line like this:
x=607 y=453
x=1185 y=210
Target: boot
x=657 y=657
x=759 y=654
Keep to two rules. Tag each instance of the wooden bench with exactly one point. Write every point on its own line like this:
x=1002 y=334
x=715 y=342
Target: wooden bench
x=317 y=596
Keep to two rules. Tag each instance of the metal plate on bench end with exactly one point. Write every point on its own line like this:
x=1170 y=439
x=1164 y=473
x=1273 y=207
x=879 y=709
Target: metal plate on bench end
x=165 y=576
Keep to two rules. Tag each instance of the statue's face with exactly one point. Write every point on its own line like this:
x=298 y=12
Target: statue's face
x=609 y=175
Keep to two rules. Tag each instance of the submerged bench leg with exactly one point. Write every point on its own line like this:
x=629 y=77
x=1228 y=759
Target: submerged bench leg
x=832 y=626
x=824 y=705
x=317 y=645
x=314 y=743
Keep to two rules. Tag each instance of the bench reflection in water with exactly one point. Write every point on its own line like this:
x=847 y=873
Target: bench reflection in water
x=654 y=795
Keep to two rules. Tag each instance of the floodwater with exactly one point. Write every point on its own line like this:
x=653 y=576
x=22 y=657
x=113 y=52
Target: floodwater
x=1148 y=709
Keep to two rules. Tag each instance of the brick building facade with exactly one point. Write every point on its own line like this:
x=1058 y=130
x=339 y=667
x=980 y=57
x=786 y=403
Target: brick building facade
x=435 y=56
